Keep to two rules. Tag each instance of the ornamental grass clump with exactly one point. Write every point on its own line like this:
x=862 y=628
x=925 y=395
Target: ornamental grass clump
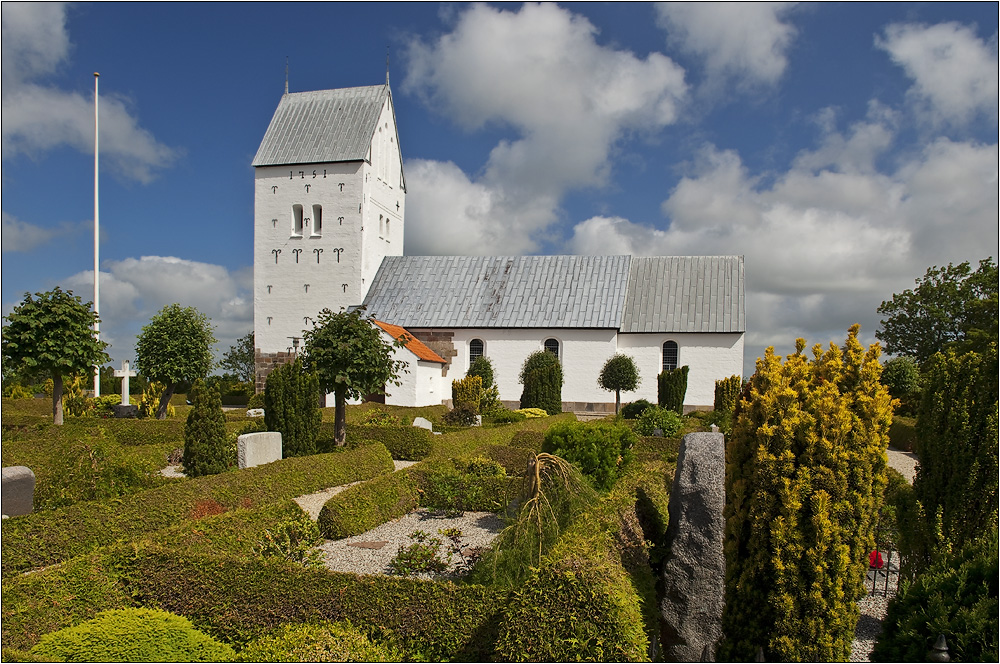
x=805 y=471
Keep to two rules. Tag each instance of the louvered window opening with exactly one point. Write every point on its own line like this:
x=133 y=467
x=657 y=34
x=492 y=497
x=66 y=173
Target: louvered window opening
x=669 y=356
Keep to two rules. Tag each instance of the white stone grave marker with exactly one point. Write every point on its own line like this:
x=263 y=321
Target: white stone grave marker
x=124 y=374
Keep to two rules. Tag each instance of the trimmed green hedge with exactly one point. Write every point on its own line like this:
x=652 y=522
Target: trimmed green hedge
x=325 y=642
x=443 y=486
x=903 y=433
x=45 y=538
x=365 y=506
x=406 y=443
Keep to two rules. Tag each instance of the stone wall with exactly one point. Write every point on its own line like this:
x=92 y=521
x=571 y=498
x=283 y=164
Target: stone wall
x=265 y=363
x=441 y=342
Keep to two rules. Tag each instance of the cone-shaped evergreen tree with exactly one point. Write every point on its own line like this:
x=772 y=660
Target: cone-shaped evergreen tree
x=206 y=444
x=805 y=469
x=291 y=407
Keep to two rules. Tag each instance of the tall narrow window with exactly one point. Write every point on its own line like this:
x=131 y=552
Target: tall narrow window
x=669 y=355
x=381 y=226
x=552 y=345
x=476 y=348
x=317 y=228
x=387 y=228
x=296 y=219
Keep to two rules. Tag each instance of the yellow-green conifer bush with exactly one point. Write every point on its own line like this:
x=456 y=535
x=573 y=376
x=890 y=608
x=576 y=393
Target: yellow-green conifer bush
x=727 y=391
x=805 y=469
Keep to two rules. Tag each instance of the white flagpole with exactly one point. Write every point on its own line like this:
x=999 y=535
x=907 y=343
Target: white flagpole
x=97 y=273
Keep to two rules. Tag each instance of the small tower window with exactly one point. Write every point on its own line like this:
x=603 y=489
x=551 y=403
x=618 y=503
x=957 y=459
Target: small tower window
x=381 y=226
x=317 y=228
x=387 y=228
x=669 y=355
x=297 y=219
x=552 y=345
x=476 y=348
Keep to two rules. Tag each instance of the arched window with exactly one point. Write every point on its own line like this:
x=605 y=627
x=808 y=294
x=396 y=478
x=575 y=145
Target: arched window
x=552 y=345
x=669 y=355
x=476 y=348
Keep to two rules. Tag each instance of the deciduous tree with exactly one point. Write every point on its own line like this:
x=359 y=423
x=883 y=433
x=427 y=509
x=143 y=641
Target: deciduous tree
x=239 y=359
x=351 y=358
x=175 y=346
x=53 y=334
x=619 y=373
x=951 y=307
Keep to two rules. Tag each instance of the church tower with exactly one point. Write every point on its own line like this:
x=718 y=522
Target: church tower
x=329 y=198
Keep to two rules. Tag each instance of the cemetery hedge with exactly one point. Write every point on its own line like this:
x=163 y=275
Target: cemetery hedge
x=406 y=443
x=56 y=535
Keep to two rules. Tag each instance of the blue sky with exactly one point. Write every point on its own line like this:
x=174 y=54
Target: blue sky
x=842 y=148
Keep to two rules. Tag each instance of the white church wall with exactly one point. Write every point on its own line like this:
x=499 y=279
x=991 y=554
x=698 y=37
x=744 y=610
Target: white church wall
x=710 y=357
x=383 y=191
x=581 y=352
x=327 y=257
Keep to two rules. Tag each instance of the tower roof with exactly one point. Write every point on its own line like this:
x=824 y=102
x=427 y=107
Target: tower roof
x=322 y=126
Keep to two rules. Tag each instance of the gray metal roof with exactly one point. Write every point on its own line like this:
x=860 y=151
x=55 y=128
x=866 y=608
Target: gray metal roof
x=685 y=294
x=500 y=291
x=322 y=126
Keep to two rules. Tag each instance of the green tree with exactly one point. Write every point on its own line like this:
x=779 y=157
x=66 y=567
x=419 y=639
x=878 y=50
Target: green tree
x=805 y=472
x=52 y=334
x=351 y=358
x=671 y=388
x=619 y=373
x=206 y=444
x=956 y=481
x=541 y=375
x=175 y=346
x=951 y=307
x=291 y=407
x=239 y=359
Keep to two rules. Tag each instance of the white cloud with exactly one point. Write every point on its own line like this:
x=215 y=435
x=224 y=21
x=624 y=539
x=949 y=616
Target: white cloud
x=22 y=236
x=954 y=72
x=134 y=289
x=828 y=240
x=539 y=73
x=742 y=43
x=38 y=117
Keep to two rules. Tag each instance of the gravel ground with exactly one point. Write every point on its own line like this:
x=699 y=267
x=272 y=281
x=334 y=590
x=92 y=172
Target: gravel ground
x=381 y=544
x=904 y=462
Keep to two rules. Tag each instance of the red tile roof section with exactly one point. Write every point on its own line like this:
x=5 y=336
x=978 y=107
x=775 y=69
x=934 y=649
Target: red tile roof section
x=414 y=345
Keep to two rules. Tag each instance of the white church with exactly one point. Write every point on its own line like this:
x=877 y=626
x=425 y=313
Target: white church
x=329 y=204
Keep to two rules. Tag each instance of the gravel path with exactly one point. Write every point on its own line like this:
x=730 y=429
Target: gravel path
x=904 y=462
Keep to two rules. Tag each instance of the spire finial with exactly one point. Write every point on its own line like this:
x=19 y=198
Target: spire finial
x=286 y=74
x=387 y=66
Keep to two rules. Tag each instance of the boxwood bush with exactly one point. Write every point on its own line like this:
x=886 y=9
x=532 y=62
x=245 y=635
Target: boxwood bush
x=132 y=635
x=600 y=451
x=323 y=642
x=406 y=443
x=365 y=506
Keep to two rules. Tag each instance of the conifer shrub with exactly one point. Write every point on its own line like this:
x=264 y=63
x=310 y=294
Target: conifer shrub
x=256 y=401
x=322 y=642
x=956 y=596
x=600 y=451
x=671 y=386
x=291 y=407
x=489 y=400
x=133 y=635
x=727 y=392
x=631 y=411
x=466 y=393
x=541 y=375
x=956 y=480
x=482 y=366
x=504 y=416
x=654 y=417
x=206 y=445
x=805 y=471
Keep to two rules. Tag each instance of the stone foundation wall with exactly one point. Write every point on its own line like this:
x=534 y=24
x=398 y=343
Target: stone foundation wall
x=265 y=363
x=441 y=342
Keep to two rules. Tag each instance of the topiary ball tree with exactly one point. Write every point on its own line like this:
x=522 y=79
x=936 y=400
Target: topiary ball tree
x=619 y=374
x=541 y=375
x=132 y=635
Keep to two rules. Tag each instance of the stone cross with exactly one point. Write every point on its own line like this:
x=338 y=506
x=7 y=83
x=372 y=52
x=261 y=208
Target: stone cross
x=124 y=375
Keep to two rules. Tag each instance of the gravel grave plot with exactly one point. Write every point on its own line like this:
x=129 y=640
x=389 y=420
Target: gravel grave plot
x=371 y=552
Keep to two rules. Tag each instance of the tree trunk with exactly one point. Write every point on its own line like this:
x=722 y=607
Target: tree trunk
x=618 y=401
x=161 y=411
x=57 y=392
x=340 y=419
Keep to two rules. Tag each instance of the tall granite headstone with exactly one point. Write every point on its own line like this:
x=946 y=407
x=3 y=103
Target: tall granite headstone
x=695 y=569
x=18 y=492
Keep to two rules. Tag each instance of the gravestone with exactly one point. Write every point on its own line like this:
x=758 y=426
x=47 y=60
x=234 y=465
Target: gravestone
x=256 y=449
x=18 y=492
x=125 y=409
x=423 y=423
x=255 y=412
x=695 y=568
